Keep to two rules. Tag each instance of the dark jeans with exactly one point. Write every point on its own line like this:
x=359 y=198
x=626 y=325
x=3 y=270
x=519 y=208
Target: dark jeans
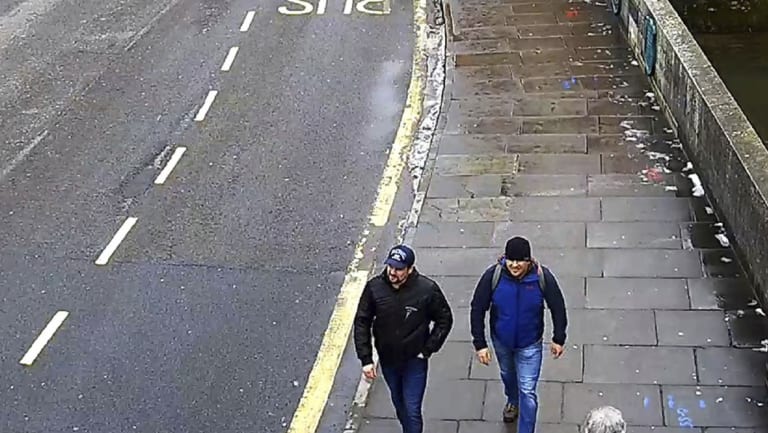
x=520 y=369
x=407 y=384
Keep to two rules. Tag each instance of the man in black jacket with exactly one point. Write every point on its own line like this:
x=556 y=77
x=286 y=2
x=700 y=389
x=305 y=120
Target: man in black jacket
x=400 y=304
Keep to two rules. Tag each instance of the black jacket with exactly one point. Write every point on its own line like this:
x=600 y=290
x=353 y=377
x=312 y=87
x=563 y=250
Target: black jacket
x=401 y=319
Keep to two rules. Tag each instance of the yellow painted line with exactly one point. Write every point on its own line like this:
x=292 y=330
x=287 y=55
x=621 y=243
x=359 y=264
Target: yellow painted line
x=320 y=381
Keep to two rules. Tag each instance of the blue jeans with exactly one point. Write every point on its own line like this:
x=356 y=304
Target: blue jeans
x=520 y=369
x=407 y=384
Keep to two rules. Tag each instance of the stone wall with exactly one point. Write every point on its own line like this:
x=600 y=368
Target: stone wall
x=727 y=152
x=723 y=16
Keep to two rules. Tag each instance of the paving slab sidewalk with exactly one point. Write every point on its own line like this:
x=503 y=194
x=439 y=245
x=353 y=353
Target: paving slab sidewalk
x=548 y=131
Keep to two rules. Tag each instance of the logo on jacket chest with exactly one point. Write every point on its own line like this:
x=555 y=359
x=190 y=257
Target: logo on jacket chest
x=409 y=310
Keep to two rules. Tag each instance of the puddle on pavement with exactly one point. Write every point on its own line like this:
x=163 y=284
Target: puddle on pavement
x=703 y=211
x=706 y=236
x=729 y=294
x=748 y=328
x=721 y=263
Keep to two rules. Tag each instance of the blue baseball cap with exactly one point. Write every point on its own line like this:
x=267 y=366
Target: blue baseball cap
x=400 y=257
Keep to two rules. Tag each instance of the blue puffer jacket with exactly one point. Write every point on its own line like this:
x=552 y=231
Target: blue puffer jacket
x=517 y=309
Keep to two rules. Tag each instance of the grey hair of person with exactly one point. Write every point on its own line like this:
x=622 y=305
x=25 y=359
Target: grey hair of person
x=604 y=419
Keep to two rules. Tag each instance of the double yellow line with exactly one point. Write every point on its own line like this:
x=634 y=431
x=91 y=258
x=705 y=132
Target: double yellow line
x=321 y=378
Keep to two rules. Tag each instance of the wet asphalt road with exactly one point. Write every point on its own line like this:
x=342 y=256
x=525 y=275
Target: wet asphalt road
x=210 y=313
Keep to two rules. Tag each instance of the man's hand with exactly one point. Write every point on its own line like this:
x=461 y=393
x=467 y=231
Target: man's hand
x=557 y=350
x=484 y=356
x=369 y=371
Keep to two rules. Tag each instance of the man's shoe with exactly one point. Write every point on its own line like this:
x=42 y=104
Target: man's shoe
x=510 y=413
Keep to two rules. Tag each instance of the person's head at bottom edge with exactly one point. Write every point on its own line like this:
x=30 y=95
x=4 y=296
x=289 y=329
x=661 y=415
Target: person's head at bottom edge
x=604 y=419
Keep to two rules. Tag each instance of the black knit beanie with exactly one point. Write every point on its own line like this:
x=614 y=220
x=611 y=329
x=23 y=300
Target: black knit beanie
x=518 y=249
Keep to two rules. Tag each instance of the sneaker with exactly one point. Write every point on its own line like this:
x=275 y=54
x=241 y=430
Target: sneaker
x=510 y=413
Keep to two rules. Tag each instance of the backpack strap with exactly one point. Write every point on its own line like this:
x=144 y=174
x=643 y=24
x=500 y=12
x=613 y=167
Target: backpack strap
x=540 y=272
x=496 y=277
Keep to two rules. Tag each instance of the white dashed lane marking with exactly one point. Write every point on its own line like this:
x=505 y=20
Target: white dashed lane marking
x=43 y=338
x=163 y=176
x=206 y=105
x=230 y=59
x=247 y=21
x=115 y=242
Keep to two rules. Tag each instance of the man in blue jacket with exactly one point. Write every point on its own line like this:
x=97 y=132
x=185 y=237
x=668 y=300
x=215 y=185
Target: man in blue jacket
x=515 y=289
